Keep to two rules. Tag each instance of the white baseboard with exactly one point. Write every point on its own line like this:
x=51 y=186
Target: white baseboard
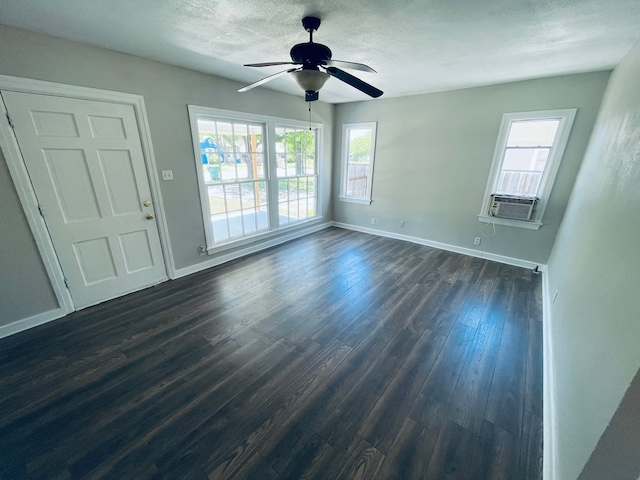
x=30 y=322
x=181 y=272
x=445 y=246
x=550 y=429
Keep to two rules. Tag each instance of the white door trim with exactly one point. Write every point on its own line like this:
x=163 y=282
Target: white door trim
x=27 y=196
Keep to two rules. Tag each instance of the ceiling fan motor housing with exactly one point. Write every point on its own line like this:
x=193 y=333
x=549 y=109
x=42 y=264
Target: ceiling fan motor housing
x=310 y=55
x=311 y=24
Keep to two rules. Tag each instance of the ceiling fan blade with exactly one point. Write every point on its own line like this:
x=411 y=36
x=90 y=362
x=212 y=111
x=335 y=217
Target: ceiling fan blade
x=352 y=65
x=354 y=82
x=266 y=79
x=268 y=64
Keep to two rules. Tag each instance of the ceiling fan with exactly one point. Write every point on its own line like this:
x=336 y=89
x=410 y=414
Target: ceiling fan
x=315 y=66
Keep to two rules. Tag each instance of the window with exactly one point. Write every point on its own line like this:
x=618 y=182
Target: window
x=296 y=170
x=256 y=174
x=358 y=152
x=528 y=153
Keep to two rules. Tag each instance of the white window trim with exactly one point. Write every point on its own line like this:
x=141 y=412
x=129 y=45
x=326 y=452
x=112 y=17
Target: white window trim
x=566 y=117
x=270 y=124
x=367 y=199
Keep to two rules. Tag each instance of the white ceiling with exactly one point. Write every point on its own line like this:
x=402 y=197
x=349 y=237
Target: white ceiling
x=417 y=46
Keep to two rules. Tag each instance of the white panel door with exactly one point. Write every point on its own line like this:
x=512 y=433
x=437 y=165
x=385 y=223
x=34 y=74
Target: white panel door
x=87 y=168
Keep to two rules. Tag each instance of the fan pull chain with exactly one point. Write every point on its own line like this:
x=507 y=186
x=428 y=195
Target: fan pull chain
x=309 y=115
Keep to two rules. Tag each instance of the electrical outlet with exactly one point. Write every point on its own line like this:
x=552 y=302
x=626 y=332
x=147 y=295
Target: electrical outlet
x=373 y=221
x=202 y=250
x=167 y=174
x=476 y=241
x=401 y=223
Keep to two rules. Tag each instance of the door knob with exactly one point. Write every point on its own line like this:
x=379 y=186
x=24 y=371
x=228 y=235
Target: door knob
x=147 y=203
x=149 y=216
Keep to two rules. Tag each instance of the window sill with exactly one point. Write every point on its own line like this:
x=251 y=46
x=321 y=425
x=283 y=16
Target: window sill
x=259 y=237
x=510 y=223
x=361 y=201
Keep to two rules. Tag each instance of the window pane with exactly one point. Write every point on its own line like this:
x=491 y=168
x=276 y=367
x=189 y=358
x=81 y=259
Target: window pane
x=310 y=164
x=232 y=151
x=533 y=133
x=248 y=194
x=357 y=180
x=257 y=131
x=529 y=159
x=359 y=151
x=233 y=158
x=249 y=220
x=220 y=227
x=524 y=161
x=522 y=170
x=291 y=164
x=216 y=199
x=519 y=183
x=311 y=196
x=297 y=199
x=295 y=150
x=232 y=197
x=293 y=188
x=296 y=166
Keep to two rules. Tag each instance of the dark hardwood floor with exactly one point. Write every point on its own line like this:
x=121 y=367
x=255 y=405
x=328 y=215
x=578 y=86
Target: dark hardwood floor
x=336 y=356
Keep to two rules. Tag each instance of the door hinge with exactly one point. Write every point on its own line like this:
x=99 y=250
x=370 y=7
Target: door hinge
x=66 y=283
x=41 y=211
x=9 y=121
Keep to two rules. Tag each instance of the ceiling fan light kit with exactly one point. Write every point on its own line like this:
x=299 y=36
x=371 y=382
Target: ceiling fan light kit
x=310 y=80
x=315 y=66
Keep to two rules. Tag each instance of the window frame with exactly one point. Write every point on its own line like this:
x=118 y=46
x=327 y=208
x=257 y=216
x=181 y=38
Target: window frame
x=288 y=178
x=270 y=123
x=556 y=153
x=346 y=128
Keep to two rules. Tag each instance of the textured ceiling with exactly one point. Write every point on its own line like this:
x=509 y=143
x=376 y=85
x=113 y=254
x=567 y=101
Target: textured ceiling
x=416 y=46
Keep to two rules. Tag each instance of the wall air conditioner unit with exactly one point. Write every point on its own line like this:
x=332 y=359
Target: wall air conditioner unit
x=515 y=207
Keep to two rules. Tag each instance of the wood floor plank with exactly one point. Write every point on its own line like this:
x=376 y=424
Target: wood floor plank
x=51 y=421
x=115 y=438
x=469 y=398
x=477 y=298
x=533 y=382
x=443 y=317
x=457 y=454
x=361 y=462
x=254 y=467
x=311 y=460
x=342 y=425
x=432 y=405
x=409 y=455
x=530 y=461
x=336 y=355
x=385 y=421
x=311 y=414
x=499 y=455
x=505 y=406
x=252 y=420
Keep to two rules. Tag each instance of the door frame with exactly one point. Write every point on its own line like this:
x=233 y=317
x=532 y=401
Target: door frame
x=26 y=193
